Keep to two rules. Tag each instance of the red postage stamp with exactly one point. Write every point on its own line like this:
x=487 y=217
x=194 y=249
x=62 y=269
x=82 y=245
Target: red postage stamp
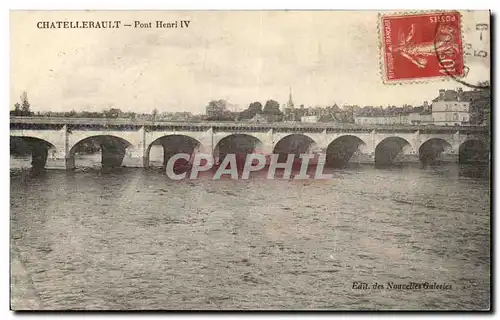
x=421 y=46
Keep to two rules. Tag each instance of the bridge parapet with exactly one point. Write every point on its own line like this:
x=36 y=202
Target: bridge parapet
x=124 y=124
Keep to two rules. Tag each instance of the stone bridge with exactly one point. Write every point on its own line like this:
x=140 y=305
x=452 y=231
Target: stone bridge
x=127 y=142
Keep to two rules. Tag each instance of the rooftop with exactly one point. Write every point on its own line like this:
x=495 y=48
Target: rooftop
x=470 y=96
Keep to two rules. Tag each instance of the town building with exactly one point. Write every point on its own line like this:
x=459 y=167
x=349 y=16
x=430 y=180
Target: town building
x=421 y=115
x=448 y=109
x=392 y=115
x=309 y=119
x=400 y=119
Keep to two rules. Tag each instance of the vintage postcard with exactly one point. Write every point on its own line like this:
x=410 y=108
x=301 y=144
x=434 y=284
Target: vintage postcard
x=250 y=160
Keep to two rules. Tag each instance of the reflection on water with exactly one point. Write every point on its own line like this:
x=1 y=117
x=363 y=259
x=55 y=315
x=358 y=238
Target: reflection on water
x=92 y=160
x=475 y=171
x=133 y=239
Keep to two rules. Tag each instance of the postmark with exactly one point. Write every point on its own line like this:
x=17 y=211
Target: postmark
x=421 y=47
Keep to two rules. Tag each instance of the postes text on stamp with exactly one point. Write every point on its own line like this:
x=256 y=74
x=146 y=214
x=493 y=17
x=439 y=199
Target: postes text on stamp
x=421 y=46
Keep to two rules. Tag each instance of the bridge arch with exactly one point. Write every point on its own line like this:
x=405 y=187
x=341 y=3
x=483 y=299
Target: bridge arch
x=392 y=150
x=474 y=151
x=111 y=147
x=34 y=147
x=431 y=150
x=240 y=144
x=164 y=147
x=295 y=143
x=44 y=135
x=342 y=149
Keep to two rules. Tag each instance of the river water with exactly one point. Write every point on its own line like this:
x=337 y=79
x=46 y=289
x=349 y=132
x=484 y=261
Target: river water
x=133 y=239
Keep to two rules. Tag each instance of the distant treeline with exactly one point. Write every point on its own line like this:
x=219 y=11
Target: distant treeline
x=222 y=110
x=111 y=113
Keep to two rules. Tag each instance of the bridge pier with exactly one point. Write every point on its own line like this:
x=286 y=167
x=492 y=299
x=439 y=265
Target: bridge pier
x=439 y=158
x=70 y=162
x=39 y=156
x=167 y=156
x=392 y=158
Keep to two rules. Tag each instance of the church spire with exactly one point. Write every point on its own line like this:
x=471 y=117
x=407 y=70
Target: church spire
x=290 y=100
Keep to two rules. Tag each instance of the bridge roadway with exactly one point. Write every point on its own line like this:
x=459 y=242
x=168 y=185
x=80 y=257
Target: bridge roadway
x=227 y=124
x=128 y=142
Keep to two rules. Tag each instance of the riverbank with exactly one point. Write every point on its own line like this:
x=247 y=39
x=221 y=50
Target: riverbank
x=23 y=295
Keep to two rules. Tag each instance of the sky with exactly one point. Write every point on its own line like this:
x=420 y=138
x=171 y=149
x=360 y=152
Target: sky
x=325 y=57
